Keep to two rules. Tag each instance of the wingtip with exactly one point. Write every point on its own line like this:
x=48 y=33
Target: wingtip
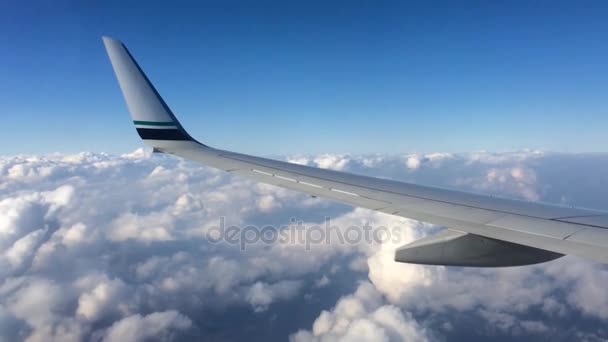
x=108 y=39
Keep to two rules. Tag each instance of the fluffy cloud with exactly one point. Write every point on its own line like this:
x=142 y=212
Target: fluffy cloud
x=101 y=247
x=260 y=295
x=414 y=161
x=363 y=317
x=331 y=161
x=513 y=181
x=158 y=325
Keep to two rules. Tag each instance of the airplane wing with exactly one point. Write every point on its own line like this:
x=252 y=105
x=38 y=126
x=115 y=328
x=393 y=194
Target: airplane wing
x=484 y=231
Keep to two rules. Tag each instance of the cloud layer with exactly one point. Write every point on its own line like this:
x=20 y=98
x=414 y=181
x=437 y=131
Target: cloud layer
x=114 y=248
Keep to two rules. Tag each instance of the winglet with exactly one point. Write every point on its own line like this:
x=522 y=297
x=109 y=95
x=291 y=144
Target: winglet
x=154 y=121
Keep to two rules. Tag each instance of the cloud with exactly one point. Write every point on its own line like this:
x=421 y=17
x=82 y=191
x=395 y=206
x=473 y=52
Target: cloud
x=394 y=279
x=102 y=247
x=363 y=317
x=101 y=298
x=261 y=295
x=322 y=282
x=331 y=161
x=414 y=161
x=516 y=180
x=157 y=325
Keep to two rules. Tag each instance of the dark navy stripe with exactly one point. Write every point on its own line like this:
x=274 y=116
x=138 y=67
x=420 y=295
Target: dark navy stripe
x=162 y=134
x=154 y=123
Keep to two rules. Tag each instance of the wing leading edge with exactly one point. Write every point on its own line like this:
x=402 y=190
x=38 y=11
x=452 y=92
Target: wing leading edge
x=483 y=230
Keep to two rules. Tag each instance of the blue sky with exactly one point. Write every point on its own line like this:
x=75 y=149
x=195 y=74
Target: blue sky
x=308 y=77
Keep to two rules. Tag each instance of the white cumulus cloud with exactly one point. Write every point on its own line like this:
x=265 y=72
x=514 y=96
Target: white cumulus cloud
x=101 y=247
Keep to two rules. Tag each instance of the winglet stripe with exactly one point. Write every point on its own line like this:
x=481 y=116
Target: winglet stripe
x=153 y=123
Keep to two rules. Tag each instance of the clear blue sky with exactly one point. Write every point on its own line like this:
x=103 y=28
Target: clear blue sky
x=308 y=77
